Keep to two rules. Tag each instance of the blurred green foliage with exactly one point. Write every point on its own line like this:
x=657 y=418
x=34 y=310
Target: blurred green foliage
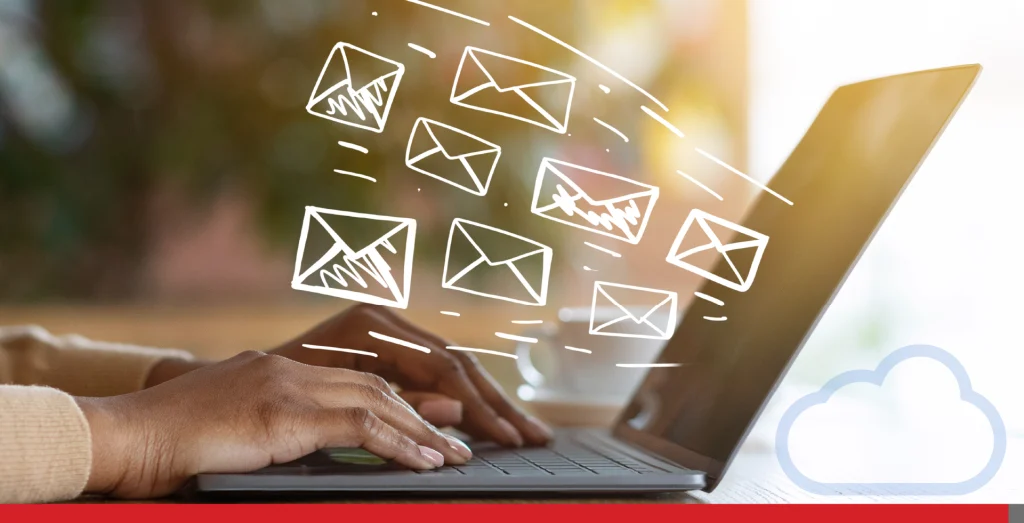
x=109 y=103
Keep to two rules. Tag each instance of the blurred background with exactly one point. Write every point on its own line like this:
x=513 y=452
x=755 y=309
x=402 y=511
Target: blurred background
x=156 y=158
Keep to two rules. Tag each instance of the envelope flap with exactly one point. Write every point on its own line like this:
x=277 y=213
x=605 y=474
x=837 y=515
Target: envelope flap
x=455 y=143
x=510 y=73
x=358 y=231
x=596 y=186
x=363 y=67
x=636 y=302
x=498 y=246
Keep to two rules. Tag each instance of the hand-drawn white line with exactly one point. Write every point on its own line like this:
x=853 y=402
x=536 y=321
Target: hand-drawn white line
x=712 y=299
x=602 y=249
x=396 y=341
x=551 y=85
x=450 y=313
x=449 y=11
x=422 y=49
x=715 y=318
x=354 y=147
x=589 y=269
x=612 y=129
x=759 y=185
x=647 y=365
x=583 y=55
x=513 y=337
x=577 y=349
x=637 y=326
x=605 y=88
x=364 y=106
x=675 y=130
x=339 y=349
x=483 y=351
x=356 y=175
x=451 y=148
x=616 y=214
x=344 y=264
x=701 y=185
x=744 y=239
x=536 y=286
x=527 y=322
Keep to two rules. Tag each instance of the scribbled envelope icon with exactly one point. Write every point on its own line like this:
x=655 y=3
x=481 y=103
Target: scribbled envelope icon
x=376 y=270
x=654 y=322
x=592 y=200
x=524 y=91
x=518 y=266
x=451 y=155
x=356 y=88
x=700 y=244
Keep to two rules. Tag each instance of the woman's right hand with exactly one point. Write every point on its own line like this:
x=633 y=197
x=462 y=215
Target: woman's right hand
x=246 y=413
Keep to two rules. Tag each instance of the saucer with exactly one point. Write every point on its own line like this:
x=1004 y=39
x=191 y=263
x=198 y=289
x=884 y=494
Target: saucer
x=564 y=410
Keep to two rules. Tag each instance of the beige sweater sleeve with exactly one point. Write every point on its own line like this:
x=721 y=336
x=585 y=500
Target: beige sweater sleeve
x=45 y=447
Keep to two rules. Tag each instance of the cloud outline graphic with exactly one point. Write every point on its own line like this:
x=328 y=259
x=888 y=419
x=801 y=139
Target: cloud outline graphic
x=876 y=377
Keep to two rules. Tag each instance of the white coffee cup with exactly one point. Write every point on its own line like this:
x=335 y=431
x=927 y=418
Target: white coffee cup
x=554 y=373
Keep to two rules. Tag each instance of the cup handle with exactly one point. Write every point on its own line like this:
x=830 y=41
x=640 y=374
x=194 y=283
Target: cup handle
x=525 y=365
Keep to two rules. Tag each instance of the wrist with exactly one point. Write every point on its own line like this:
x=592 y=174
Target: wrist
x=170 y=368
x=110 y=441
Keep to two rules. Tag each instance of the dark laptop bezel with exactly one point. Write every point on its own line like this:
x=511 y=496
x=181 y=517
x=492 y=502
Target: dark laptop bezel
x=715 y=469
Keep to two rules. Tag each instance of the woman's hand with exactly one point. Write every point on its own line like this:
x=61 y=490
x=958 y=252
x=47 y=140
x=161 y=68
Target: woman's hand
x=425 y=379
x=246 y=413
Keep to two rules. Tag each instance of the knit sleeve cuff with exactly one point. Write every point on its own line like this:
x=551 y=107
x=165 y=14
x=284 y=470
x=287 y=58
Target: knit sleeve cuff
x=45 y=446
x=81 y=366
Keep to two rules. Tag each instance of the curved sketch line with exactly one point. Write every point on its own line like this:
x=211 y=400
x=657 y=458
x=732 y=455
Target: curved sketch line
x=604 y=88
x=449 y=11
x=577 y=349
x=483 y=351
x=712 y=299
x=513 y=337
x=589 y=269
x=701 y=185
x=612 y=129
x=528 y=322
x=422 y=49
x=759 y=185
x=450 y=313
x=396 y=341
x=602 y=249
x=353 y=146
x=586 y=57
x=356 y=175
x=716 y=318
x=339 y=349
x=675 y=130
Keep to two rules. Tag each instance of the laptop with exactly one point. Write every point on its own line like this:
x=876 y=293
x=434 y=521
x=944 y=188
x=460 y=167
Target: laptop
x=683 y=425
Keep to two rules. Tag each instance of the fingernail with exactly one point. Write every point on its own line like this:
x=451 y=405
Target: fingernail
x=459 y=447
x=512 y=434
x=434 y=457
x=538 y=426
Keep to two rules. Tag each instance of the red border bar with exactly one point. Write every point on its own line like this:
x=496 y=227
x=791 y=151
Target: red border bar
x=497 y=513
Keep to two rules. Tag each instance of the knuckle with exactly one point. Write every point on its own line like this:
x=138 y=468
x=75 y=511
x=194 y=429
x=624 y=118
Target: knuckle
x=250 y=355
x=447 y=365
x=379 y=382
x=363 y=420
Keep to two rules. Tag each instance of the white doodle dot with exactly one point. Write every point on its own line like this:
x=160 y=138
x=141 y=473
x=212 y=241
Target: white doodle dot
x=607 y=150
x=506 y=204
x=418 y=189
x=374 y=13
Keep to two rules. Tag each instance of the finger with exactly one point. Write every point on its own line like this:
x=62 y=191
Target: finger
x=449 y=378
x=396 y=413
x=533 y=430
x=359 y=427
x=438 y=409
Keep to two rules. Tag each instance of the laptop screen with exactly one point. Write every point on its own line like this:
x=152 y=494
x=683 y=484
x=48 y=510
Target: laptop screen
x=842 y=178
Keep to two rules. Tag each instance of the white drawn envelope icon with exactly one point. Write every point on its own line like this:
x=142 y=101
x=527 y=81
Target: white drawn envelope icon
x=508 y=266
x=363 y=273
x=656 y=322
x=451 y=155
x=495 y=83
x=592 y=200
x=356 y=88
x=700 y=232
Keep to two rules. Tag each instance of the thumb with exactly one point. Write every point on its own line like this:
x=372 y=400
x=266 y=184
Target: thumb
x=438 y=409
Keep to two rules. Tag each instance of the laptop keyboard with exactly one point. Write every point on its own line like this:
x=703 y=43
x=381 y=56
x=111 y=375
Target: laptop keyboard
x=546 y=462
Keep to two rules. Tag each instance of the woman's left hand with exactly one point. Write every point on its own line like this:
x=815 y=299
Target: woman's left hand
x=447 y=388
